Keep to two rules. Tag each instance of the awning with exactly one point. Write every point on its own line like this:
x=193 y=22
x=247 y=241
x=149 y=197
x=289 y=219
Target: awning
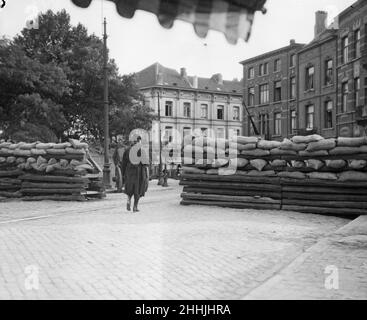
x=232 y=17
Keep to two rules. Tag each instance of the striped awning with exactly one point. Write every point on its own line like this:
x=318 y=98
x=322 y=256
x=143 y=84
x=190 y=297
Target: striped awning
x=232 y=17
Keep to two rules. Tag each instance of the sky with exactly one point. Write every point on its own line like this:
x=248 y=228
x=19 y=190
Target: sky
x=139 y=42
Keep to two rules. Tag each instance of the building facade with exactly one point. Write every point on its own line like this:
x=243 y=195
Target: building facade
x=270 y=91
x=186 y=103
x=331 y=81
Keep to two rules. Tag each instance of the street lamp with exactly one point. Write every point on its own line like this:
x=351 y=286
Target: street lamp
x=160 y=141
x=107 y=165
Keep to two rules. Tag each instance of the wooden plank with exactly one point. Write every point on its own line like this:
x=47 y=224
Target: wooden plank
x=50 y=191
x=55 y=198
x=234 y=178
x=10 y=181
x=323 y=196
x=327 y=190
x=9 y=187
x=6 y=194
x=359 y=156
x=238 y=205
x=42 y=185
x=235 y=192
x=49 y=178
x=326 y=203
x=320 y=182
x=226 y=198
x=11 y=173
x=231 y=185
x=327 y=211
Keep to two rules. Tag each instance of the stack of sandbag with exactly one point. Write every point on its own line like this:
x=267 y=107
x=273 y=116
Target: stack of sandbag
x=214 y=171
x=44 y=162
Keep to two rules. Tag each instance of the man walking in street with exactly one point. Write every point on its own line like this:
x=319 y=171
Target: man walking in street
x=135 y=172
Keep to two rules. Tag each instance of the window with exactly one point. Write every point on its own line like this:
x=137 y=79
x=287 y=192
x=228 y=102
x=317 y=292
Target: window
x=357 y=87
x=277 y=91
x=187 y=110
x=263 y=123
x=357 y=43
x=293 y=60
x=277 y=123
x=168 y=134
x=237 y=132
x=345 y=48
x=277 y=65
x=236 y=113
x=204 y=132
x=328 y=114
x=186 y=131
x=310 y=72
x=293 y=88
x=204 y=111
x=293 y=121
x=251 y=96
x=251 y=73
x=263 y=69
x=344 y=96
x=220 y=112
x=168 y=109
x=264 y=93
x=310 y=116
x=329 y=72
x=220 y=133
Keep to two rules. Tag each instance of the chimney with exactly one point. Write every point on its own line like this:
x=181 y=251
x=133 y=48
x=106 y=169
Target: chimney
x=292 y=42
x=195 y=82
x=320 y=25
x=183 y=72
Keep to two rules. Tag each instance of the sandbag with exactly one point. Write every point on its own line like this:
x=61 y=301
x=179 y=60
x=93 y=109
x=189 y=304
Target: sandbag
x=217 y=163
x=353 y=176
x=78 y=145
x=5 y=145
x=31 y=160
x=344 y=150
x=325 y=144
x=336 y=164
x=20 y=160
x=292 y=175
x=238 y=163
x=21 y=166
x=38 y=152
x=255 y=173
x=52 y=161
x=298 y=164
x=22 y=153
x=212 y=172
x=351 y=142
x=306 y=139
x=280 y=152
x=2 y=159
x=85 y=166
x=6 y=152
x=259 y=164
x=268 y=145
x=240 y=146
x=62 y=145
x=319 y=153
x=41 y=160
x=192 y=170
x=10 y=159
x=256 y=153
x=44 y=145
x=59 y=152
x=50 y=168
x=357 y=164
x=27 y=146
x=278 y=163
x=314 y=164
x=64 y=163
x=322 y=175
x=287 y=144
x=14 y=146
x=227 y=171
x=245 y=140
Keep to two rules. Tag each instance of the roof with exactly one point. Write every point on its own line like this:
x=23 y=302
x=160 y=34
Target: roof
x=324 y=36
x=273 y=53
x=149 y=77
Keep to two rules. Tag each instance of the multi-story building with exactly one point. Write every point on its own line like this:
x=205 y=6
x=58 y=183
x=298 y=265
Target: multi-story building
x=330 y=79
x=187 y=103
x=270 y=91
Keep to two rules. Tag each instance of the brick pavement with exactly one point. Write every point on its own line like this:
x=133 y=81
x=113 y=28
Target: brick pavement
x=96 y=250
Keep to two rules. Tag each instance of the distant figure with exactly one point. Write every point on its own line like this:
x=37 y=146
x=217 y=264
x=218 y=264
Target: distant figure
x=117 y=160
x=135 y=172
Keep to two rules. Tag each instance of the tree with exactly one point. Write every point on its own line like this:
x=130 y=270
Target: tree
x=80 y=56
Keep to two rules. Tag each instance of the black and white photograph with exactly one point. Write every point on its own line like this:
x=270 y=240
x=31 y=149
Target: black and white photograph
x=210 y=151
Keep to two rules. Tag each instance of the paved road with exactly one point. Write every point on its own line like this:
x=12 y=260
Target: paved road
x=97 y=250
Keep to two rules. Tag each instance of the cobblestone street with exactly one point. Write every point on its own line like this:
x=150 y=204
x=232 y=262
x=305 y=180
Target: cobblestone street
x=97 y=250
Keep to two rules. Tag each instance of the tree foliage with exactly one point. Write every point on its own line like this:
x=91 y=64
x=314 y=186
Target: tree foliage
x=53 y=77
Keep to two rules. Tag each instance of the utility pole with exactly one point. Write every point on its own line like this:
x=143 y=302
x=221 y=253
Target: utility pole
x=107 y=165
x=160 y=141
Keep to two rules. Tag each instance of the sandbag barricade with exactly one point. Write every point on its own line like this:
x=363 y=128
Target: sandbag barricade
x=49 y=171
x=305 y=174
